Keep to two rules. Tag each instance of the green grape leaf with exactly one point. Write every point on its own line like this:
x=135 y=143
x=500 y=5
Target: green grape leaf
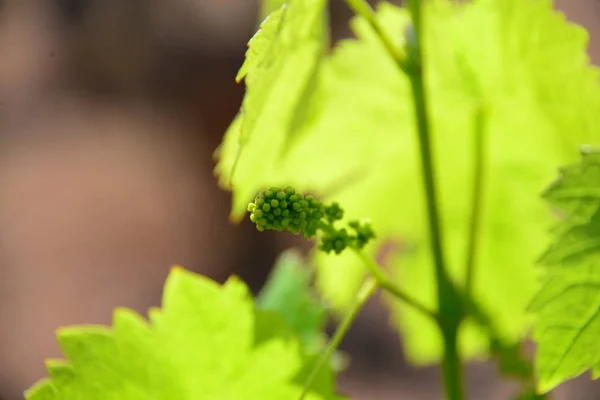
x=279 y=71
x=567 y=305
x=288 y=292
x=577 y=190
x=577 y=194
x=489 y=71
x=568 y=325
x=358 y=146
x=200 y=344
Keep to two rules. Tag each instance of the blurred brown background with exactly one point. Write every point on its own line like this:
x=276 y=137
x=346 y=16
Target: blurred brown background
x=109 y=113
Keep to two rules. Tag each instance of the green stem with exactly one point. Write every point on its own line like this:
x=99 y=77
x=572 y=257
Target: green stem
x=476 y=197
x=428 y=168
x=450 y=302
x=365 y=292
x=451 y=310
x=383 y=281
x=449 y=299
x=452 y=367
x=386 y=284
x=364 y=9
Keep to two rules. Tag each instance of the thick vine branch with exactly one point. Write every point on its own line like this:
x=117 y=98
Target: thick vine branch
x=450 y=302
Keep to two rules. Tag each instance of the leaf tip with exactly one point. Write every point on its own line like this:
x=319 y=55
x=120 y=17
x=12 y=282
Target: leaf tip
x=58 y=368
x=177 y=270
x=41 y=390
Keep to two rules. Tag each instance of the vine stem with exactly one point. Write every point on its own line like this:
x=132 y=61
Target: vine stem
x=366 y=291
x=450 y=301
x=451 y=310
x=385 y=283
x=364 y=9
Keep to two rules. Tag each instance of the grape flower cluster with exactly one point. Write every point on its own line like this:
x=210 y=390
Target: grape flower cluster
x=285 y=209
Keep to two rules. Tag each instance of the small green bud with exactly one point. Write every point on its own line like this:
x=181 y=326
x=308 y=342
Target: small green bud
x=364 y=232
x=266 y=207
x=334 y=212
x=274 y=203
x=339 y=246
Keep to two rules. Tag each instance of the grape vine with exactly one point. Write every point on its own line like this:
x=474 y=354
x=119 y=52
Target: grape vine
x=415 y=131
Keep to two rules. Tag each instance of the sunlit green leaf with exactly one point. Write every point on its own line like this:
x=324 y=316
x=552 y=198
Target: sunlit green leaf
x=280 y=71
x=518 y=61
x=568 y=304
x=568 y=326
x=268 y=6
x=200 y=344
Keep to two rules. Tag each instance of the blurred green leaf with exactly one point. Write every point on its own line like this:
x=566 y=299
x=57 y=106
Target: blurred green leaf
x=289 y=293
x=272 y=324
x=201 y=344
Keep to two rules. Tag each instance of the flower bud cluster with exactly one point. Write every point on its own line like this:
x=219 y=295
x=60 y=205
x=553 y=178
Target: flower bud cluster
x=285 y=209
x=337 y=240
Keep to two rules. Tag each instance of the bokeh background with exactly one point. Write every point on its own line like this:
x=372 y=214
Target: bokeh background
x=109 y=113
